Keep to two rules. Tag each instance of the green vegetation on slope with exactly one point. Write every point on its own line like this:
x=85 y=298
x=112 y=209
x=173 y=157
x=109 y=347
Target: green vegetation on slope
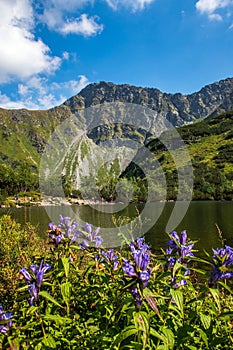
x=23 y=136
x=210 y=145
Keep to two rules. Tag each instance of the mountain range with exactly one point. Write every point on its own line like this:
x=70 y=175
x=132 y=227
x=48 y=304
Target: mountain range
x=24 y=134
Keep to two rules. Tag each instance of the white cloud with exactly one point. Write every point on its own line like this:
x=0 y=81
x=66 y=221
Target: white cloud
x=58 y=15
x=215 y=17
x=209 y=7
x=83 y=25
x=135 y=5
x=65 y=55
x=72 y=86
x=37 y=93
x=21 y=54
x=76 y=85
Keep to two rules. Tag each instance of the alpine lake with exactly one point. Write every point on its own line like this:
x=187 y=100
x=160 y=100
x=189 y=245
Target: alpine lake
x=203 y=220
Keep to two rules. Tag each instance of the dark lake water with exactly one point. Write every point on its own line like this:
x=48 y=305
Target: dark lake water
x=199 y=222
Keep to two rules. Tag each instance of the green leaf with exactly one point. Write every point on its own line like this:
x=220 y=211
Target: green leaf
x=226 y=315
x=66 y=265
x=32 y=310
x=200 y=260
x=142 y=324
x=216 y=296
x=205 y=320
x=202 y=272
x=75 y=247
x=50 y=342
x=170 y=339
x=176 y=267
x=157 y=335
x=49 y=297
x=65 y=291
x=56 y=318
x=22 y=288
x=226 y=287
x=177 y=295
x=204 y=337
x=134 y=346
x=127 y=332
x=14 y=344
x=167 y=337
x=151 y=301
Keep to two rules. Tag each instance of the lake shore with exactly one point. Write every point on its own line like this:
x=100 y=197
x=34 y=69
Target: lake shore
x=55 y=201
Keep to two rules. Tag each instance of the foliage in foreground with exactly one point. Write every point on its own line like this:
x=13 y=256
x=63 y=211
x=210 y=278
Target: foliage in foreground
x=18 y=247
x=78 y=295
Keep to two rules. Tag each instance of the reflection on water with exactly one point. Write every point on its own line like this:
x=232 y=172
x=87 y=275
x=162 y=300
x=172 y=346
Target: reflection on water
x=200 y=220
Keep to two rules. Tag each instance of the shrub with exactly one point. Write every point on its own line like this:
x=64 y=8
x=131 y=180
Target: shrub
x=19 y=246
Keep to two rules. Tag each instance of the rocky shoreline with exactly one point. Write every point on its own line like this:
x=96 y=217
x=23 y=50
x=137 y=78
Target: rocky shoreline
x=50 y=201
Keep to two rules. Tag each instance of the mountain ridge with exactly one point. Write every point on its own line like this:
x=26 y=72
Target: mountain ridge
x=25 y=133
x=180 y=107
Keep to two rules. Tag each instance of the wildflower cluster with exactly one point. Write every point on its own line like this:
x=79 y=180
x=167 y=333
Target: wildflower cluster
x=109 y=257
x=222 y=264
x=5 y=320
x=68 y=229
x=84 y=304
x=35 y=281
x=178 y=253
x=89 y=237
x=138 y=269
x=65 y=229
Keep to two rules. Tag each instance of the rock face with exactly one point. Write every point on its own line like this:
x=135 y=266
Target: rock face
x=177 y=108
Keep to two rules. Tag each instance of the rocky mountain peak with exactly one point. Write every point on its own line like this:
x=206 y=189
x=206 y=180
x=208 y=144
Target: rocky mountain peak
x=178 y=108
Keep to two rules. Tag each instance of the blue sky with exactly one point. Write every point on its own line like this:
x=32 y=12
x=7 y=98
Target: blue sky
x=51 y=49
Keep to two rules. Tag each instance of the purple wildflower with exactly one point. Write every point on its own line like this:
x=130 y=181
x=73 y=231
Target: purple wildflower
x=138 y=270
x=128 y=268
x=139 y=245
x=55 y=234
x=110 y=257
x=26 y=274
x=179 y=284
x=137 y=297
x=40 y=273
x=179 y=245
x=224 y=256
x=98 y=241
x=186 y=250
x=52 y=226
x=75 y=236
x=67 y=226
x=144 y=277
x=33 y=294
x=89 y=237
x=179 y=251
x=5 y=317
x=141 y=259
x=222 y=264
x=35 y=281
x=140 y=252
x=65 y=229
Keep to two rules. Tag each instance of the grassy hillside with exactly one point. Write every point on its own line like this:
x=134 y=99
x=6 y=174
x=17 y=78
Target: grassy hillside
x=23 y=135
x=210 y=144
